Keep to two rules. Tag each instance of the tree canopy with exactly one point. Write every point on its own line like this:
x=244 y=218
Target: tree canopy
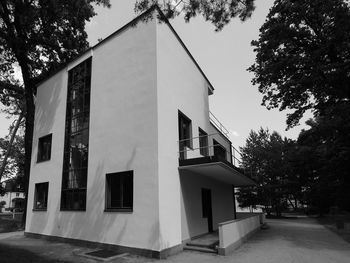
x=37 y=36
x=219 y=13
x=268 y=156
x=303 y=56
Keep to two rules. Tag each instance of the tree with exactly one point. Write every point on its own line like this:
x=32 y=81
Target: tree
x=37 y=36
x=267 y=154
x=2 y=204
x=303 y=63
x=303 y=56
x=325 y=149
x=219 y=13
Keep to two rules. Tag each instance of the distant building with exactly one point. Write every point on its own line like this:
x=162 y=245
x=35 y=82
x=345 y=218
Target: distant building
x=14 y=195
x=125 y=150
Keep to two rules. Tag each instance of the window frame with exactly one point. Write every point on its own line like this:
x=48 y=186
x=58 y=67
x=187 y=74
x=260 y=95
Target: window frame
x=74 y=180
x=203 y=135
x=189 y=142
x=108 y=207
x=35 y=208
x=39 y=158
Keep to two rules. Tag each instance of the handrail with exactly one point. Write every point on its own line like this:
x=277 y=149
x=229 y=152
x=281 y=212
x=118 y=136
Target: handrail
x=218 y=125
x=230 y=153
x=195 y=150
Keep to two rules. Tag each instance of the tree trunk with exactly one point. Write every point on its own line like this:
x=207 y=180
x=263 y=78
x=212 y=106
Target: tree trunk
x=28 y=141
x=29 y=88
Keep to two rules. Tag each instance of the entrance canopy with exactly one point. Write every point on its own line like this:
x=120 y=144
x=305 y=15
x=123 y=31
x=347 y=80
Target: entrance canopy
x=217 y=170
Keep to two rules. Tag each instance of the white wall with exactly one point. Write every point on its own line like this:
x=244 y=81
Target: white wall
x=123 y=136
x=182 y=87
x=193 y=224
x=234 y=233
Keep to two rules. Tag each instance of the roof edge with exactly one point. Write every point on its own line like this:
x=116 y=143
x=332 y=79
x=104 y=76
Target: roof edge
x=133 y=21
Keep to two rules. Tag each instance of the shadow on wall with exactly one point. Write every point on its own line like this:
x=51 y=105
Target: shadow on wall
x=192 y=225
x=46 y=115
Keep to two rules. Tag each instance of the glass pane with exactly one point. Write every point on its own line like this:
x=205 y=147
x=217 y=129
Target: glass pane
x=115 y=191
x=127 y=191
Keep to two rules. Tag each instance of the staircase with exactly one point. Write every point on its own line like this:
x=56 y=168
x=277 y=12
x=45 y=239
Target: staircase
x=207 y=244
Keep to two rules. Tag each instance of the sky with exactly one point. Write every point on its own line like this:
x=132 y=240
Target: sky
x=224 y=57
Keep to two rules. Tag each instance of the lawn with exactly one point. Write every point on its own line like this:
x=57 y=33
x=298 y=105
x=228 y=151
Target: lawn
x=7 y=224
x=16 y=255
x=330 y=222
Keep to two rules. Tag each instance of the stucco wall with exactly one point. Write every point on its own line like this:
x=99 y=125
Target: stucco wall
x=193 y=224
x=123 y=136
x=233 y=233
x=182 y=87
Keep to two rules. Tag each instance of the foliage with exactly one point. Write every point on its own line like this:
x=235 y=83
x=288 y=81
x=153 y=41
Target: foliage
x=325 y=149
x=219 y=13
x=303 y=56
x=37 y=37
x=269 y=156
x=15 y=162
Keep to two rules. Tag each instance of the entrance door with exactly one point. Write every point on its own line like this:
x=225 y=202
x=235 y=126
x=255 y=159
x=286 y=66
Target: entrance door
x=206 y=208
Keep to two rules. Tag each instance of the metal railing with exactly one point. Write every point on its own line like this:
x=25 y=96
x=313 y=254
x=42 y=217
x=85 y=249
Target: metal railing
x=204 y=146
x=218 y=125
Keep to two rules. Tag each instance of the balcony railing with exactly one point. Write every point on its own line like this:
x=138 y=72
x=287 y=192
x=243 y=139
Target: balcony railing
x=204 y=146
x=219 y=125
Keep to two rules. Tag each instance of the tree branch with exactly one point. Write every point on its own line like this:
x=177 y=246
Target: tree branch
x=13 y=135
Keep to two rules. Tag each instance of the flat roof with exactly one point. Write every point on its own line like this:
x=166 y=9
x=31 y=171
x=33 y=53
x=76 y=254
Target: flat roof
x=132 y=22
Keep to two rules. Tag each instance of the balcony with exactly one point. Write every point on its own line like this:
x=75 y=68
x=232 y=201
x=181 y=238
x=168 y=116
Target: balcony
x=213 y=156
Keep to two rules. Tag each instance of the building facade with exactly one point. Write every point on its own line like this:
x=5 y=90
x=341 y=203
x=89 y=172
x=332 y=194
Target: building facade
x=126 y=153
x=13 y=196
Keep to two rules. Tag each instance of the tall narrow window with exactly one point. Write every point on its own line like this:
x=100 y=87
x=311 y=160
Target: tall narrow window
x=185 y=134
x=119 y=191
x=40 y=196
x=76 y=145
x=203 y=142
x=44 y=148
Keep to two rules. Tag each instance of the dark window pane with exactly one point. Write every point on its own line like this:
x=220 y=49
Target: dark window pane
x=119 y=187
x=75 y=162
x=203 y=142
x=40 y=195
x=44 y=148
x=127 y=191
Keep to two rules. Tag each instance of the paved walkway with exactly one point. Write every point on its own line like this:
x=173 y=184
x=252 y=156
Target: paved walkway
x=286 y=241
x=300 y=240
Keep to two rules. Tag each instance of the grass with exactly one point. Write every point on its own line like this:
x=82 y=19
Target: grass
x=8 y=225
x=16 y=255
x=330 y=221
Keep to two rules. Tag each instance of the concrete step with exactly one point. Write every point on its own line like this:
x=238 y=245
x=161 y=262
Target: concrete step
x=200 y=243
x=201 y=249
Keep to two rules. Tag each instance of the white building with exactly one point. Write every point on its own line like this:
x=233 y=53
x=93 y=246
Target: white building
x=13 y=196
x=119 y=160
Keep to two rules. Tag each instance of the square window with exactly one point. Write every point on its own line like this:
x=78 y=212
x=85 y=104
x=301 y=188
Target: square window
x=119 y=191
x=44 y=148
x=40 y=196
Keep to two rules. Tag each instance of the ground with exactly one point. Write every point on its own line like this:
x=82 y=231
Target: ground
x=8 y=224
x=288 y=240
